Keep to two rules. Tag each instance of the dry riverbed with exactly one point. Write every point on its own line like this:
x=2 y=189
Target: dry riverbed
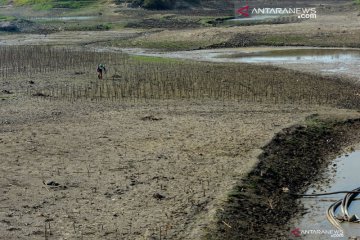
x=105 y=169
x=140 y=168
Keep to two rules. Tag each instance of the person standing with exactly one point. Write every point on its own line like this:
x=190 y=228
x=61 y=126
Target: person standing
x=101 y=69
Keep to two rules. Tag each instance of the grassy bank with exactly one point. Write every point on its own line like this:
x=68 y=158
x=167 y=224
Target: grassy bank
x=49 y=4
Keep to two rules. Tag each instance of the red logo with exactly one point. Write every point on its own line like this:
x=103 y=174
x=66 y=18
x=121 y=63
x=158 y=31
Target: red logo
x=296 y=232
x=244 y=11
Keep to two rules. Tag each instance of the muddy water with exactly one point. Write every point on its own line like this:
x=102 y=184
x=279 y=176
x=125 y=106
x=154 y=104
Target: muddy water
x=64 y=18
x=342 y=175
x=297 y=55
x=328 y=61
x=252 y=19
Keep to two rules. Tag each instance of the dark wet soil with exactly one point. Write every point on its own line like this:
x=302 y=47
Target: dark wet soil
x=25 y=26
x=259 y=208
x=170 y=22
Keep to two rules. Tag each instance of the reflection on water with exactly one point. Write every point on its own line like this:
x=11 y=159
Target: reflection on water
x=296 y=55
x=346 y=177
x=255 y=18
x=64 y=18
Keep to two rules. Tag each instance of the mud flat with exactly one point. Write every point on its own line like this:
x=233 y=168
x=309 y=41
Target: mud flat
x=106 y=169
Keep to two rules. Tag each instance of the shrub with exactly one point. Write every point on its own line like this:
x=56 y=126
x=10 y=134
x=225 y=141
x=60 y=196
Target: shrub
x=158 y=4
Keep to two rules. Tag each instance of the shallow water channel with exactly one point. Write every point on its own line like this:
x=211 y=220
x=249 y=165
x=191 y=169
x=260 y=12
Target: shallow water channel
x=342 y=175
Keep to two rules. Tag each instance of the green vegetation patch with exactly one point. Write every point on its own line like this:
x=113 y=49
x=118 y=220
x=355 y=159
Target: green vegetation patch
x=48 y=4
x=6 y=18
x=170 y=45
x=153 y=59
x=162 y=45
x=158 y=4
x=344 y=39
x=36 y=4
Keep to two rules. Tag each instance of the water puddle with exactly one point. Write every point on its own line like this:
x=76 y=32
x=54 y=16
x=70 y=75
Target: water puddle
x=64 y=18
x=297 y=55
x=342 y=175
x=254 y=18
